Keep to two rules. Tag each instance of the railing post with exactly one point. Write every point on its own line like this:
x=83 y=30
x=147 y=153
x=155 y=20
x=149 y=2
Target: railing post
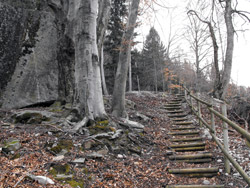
x=185 y=92
x=199 y=109
x=212 y=118
x=225 y=137
x=191 y=102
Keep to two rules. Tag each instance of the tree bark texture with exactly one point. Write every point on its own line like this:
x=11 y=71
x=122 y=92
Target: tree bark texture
x=230 y=47
x=88 y=96
x=118 y=102
x=102 y=24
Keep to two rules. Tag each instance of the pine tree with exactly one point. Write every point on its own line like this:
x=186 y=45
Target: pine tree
x=113 y=39
x=153 y=62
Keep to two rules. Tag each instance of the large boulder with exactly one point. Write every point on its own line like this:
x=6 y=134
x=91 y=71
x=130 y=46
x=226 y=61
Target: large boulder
x=28 y=54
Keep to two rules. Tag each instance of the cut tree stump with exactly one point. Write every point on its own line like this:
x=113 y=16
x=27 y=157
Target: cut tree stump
x=186 y=139
x=184 y=132
x=194 y=144
x=194 y=186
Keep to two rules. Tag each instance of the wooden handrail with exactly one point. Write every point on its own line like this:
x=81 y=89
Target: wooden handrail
x=226 y=122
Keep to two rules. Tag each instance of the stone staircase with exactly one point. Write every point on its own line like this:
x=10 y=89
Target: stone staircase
x=187 y=146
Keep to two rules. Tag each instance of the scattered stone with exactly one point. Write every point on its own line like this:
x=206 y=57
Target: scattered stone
x=206 y=182
x=230 y=184
x=41 y=179
x=219 y=161
x=79 y=160
x=63 y=176
x=11 y=145
x=120 y=156
x=95 y=155
x=58 y=158
x=169 y=152
x=32 y=116
x=103 y=151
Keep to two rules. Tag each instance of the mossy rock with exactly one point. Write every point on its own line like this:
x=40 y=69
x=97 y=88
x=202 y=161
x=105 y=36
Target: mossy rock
x=60 y=169
x=76 y=183
x=30 y=118
x=100 y=128
x=11 y=145
x=61 y=145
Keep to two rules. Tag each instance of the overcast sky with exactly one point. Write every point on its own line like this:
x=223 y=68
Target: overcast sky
x=177 y=17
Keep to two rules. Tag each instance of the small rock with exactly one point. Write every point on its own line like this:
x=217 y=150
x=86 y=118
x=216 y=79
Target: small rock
x=63 y=176
x=103 y=151
x=94 y=155
x=219 y=161
x=206 y=182
x=236 y=174
x=120 y=156
x=79 y=160
x=50 y=133
x=58 y=158
x=230 y=184
x=220 y=170
x=37 y=134
x=169 y=152
x=11 y=145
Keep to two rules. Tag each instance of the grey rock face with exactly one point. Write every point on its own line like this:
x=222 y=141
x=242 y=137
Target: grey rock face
x=29 y=51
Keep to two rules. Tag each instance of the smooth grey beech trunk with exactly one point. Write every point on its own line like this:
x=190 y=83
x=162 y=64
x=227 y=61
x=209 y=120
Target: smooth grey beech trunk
x=230 y=47
x=88 y=96
x=118 y=102
x=102 y=24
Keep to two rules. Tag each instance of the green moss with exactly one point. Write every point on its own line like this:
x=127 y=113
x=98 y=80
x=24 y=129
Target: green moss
x=76 y=183
x=103 y=123
x=60 y=169
x=141 y=134
x=15 y=156
x=85 y=170
x=63 y=144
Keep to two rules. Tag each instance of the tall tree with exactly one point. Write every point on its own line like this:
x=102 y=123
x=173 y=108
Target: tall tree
x=118 y=102
x=197 y=36
x=88 y=97
x=116 y=27
x=102 y=24
x=153 y=62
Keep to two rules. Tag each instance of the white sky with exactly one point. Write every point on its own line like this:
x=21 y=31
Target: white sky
x=241 y=61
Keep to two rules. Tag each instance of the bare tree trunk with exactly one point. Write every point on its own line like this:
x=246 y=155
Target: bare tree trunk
x=102 y=24
x=155 y=77
x=129 y=70
x=88 y=97
x=104 y=86
x=118 y=102
x=230 y=47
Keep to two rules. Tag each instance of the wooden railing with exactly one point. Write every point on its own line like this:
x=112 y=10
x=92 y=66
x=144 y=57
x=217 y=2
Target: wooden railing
x=190 y=98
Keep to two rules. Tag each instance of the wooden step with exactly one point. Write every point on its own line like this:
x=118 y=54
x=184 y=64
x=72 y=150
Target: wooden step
x=192 y=144
x=177 y=115
x=198 y=148
x=184 y=132
x=175 y=111
x=173 y=105
x=186 y=139
x=184 y=123
x=191 y=156
x=195 y=172
x=172 y=108
x=195 y=161
x=180 y=119
x=194 y=186
x=183 y=128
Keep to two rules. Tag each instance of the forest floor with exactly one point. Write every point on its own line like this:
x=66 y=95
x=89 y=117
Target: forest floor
x=148 y=169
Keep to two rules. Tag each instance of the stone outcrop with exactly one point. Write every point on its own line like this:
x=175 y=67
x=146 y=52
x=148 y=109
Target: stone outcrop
x=36 y=55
